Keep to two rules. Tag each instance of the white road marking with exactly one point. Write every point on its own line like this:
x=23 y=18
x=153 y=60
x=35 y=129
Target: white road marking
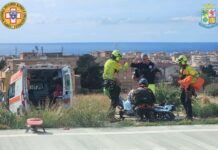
x=110 y=133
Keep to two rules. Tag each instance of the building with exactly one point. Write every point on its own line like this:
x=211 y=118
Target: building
x=168 y=70
x=101 y=54
x=4 y=80
x=212 y=58
x=215 y=66
x=132 y=55
x=31 y=58
x=205 y=59
x=197 y=60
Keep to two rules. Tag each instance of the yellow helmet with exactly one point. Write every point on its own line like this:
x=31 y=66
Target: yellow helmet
x=182 y=59
x=117 y=55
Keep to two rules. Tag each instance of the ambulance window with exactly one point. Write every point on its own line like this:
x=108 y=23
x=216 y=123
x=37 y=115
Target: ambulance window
x=67 y=82
x=11 y=90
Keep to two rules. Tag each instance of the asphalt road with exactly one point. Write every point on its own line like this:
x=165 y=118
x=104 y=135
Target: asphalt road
x=135 y=138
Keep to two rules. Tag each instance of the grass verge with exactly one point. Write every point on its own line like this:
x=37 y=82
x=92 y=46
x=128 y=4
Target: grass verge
x=91 y=111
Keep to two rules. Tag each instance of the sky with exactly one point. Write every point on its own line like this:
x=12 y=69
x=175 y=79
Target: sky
x=52 y=21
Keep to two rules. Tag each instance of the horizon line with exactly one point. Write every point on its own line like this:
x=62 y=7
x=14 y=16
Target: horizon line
x=93 y=42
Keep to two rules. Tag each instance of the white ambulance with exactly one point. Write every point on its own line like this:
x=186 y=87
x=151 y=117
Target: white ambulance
x=39 y=85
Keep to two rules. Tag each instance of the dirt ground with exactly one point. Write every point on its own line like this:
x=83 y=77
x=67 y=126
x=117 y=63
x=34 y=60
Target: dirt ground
x=206 y=99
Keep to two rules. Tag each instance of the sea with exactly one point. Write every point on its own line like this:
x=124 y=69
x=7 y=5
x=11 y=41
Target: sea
x=84 y=48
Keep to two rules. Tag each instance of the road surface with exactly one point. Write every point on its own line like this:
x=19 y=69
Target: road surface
x=199 y=137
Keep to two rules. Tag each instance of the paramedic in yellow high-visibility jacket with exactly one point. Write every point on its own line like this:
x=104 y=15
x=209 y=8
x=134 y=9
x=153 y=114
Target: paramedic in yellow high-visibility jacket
x=188 y=76
x=111 y=83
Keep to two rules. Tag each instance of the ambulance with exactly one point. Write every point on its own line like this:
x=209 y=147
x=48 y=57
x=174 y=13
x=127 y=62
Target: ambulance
x=38 y=85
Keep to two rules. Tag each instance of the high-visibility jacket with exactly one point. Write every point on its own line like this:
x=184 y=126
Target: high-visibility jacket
x=189 y=71
x=190 y=76
x=111 y=67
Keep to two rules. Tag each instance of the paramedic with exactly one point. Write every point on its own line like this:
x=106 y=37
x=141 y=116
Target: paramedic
x=187 y=72
x=111 y=84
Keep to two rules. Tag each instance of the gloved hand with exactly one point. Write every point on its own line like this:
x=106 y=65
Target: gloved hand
x=126 y=65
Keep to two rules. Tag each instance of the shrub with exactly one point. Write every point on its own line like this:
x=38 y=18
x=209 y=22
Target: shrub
x=20 y=122
x=168 y=94
x=204 y=111
x=51 y=117
x=7 y=119
x=2 y=126
x=212 y=89
x=88 y=111
x=205 y=100
x=196 y=109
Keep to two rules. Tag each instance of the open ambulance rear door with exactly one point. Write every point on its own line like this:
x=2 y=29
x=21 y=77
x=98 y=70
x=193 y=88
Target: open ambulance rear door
x=15 y=93
x=67 y=85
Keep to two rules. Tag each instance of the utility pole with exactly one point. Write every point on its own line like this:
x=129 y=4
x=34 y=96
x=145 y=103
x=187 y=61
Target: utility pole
x=15 y=50
x=62 y=50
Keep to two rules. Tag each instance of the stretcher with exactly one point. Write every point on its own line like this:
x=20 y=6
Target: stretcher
x=34 y=124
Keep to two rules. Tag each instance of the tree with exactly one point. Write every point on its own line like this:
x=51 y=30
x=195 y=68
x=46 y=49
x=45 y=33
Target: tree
x=85 y=61
x=2 y=64
x=208 y=70
x=90 y=71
